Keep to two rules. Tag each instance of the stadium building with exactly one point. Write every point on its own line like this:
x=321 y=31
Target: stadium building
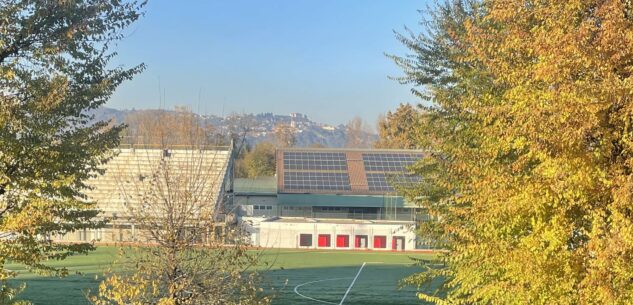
x=132 y=170
x=331 y=199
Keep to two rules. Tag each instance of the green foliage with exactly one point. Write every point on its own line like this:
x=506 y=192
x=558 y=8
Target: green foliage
x=239 y=166
x=9 y=294
x=258 y=162
x=529 y=171
x=54 y=69
x=399 y=129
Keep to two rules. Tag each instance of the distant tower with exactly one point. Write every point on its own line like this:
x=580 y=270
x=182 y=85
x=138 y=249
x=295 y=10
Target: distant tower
x=298 y=116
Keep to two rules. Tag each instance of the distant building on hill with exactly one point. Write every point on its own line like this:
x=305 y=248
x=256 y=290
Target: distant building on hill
x=298 y=116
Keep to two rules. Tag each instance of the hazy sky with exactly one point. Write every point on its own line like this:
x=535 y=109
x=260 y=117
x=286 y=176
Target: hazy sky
x=323 y=58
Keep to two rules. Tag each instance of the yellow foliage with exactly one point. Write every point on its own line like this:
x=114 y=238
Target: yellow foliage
x=532 y=175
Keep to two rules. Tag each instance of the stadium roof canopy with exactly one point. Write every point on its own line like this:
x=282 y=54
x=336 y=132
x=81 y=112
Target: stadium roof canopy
x=371 y=172
x=132 y=172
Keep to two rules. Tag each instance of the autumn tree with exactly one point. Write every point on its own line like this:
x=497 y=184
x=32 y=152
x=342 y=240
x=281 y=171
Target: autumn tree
x=240 y=169
x=240 y=127
x=163 y=128
x=285 y=135
x=176 y=199
x=55 y=66
x=260 y=161
x=399 y=129
x=528 y=169
x=356 y=132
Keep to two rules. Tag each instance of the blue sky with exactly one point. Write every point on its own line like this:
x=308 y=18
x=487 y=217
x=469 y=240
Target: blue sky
x=324 y=58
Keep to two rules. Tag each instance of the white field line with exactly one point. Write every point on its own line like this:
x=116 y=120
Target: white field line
x=384 y=263
x=352 y=284
x=318 y=281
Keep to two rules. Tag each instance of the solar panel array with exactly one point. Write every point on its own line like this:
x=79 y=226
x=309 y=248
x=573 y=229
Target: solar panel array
x=387 y=169
x=327 y=171
x=312 y=171
x=378 y=182
x=315 y=161
x=317 y=181
x=384 y=182
x=389 y=162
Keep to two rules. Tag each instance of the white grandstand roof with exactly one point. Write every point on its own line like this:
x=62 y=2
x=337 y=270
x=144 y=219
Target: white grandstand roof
x=133 y=169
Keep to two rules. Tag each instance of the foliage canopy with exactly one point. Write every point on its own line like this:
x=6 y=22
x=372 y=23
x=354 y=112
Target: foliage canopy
x=55 y=66
x=399 y=129
x=529 y=170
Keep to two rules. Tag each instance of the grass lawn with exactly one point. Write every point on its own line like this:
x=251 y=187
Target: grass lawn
x=300 y=277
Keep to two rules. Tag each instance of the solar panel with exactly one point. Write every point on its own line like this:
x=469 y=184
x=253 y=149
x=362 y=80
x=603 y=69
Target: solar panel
x=378 y=182
x=330 y=171
x=315 y=161
x=387 y=169
x=317 y=181
x=384 y=182
x=389 y=162
x=316 y=171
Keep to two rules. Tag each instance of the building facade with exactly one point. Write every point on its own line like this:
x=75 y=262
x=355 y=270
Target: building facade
x=333 y=199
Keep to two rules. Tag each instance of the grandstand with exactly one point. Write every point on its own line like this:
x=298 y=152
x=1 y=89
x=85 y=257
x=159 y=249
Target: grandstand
x=131 y=171
x=332 y=199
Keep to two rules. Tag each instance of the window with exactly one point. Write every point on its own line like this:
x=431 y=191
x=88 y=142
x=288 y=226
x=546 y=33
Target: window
x=269 y=207
x=255 y=207
x=380 y=242
x=342 y=241
x=324 y=240
x=98 y=234
x=305 y=240
x=83 y=235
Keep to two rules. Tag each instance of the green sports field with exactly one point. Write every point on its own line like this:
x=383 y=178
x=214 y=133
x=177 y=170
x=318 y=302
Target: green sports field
x=299 y=277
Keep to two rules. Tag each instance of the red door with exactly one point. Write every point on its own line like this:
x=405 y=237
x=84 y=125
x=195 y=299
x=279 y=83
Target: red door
x=342 y=241
x=324 y=240
x=380 y=242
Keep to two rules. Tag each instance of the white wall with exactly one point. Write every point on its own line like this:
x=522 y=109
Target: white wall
x=278 y=234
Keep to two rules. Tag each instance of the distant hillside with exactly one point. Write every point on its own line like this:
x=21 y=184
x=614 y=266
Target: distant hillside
x=261 y=126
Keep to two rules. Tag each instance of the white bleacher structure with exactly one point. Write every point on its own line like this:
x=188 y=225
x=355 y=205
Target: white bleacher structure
x=127 y=179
